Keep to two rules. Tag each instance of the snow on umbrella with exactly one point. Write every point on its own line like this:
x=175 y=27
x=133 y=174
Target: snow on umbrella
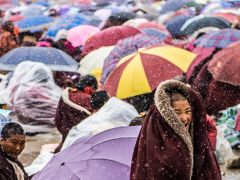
x=141 y=72
x=194 y=24
x=218 y=39
x=56 y=59
x=127 y=46
x=66 y=22
x=225 y=65
x=153 y=25
x=106 y=155
x=108 y=37
x=79 y=35
x=34 y=23
x=93 y=61
x=173 y=5
x=174 y=25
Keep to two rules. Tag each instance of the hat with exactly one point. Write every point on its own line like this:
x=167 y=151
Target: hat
x=62 y=34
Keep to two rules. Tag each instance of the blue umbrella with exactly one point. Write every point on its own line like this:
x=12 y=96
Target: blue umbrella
x=56 y=59
x=34 y=23
x=67 y=22
x=174 y=25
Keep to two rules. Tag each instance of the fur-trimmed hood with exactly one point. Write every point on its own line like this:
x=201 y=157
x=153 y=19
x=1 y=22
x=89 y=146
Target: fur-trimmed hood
x=162 y=102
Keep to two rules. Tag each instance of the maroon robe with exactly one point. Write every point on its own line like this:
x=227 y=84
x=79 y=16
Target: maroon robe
x=165 y=150
x=73 y=107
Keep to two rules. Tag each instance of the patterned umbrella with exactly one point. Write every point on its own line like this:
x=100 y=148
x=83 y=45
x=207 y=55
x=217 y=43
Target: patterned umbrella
x=127 y=46
x=218 y=39
x=141 y=72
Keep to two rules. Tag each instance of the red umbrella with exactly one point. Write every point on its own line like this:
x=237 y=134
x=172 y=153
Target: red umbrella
x=225 y=65
x=108 y=37
x=202 y=54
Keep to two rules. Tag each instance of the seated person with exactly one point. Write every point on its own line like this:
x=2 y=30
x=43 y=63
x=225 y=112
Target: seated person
x=11 y=145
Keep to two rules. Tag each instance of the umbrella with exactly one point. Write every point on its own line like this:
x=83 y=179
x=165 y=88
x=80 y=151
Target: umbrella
x=125 y=47
x=79 y=35
x=155 y=32
x=232 y=18
x=94 y=60
x=173 y=5
x=202 y=55
x=56 y=59
x=17 y=17
x=108 y=37
x=225 y=65
x=174 y=25
x=106 y=155
x=34 y=23
x=33 y=10
x=141 y=72
x=154 y=25
x=199 y=22
x=66 y=22
x=218 y=39
x=3 y=120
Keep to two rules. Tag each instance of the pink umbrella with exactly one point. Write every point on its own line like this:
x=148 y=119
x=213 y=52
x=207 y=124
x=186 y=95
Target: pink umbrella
x=80 y=34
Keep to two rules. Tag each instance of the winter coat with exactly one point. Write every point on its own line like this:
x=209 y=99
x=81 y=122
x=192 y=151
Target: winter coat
x=165 y=150
x=6 y=169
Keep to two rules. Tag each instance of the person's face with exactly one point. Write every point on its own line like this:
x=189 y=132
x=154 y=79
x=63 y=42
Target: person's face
x=183 y=111
x=13 y=145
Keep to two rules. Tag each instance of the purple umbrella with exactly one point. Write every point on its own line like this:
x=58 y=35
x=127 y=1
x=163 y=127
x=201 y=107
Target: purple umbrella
x=127 y=46
x=106 y=155
x=218 y=39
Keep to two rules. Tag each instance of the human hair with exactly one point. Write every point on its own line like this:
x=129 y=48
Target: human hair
x=98 y=99
x=87 y=80
x=10 y=129
x=7 y=26
x=177 y=95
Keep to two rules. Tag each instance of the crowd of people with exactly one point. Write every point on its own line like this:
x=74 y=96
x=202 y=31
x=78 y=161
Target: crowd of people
x=179 y=117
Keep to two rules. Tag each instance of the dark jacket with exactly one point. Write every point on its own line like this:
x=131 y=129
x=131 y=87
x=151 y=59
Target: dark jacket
x=6 y=169
x=165 y=150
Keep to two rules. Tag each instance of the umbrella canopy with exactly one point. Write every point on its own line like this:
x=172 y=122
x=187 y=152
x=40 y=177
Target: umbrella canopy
x=125 y=47
x=56 y=59
x=202 y=55
x=218 y=39
x=108 y=37
x=155 y=32
x=174 y=25
x=94 y=60
x=34 y=23
x=107 y=154
x=79 y=35
x=173 y=5
x=66 y=22
x=154 y=25
x=232 y=18
x=225 y=65
x=199 y=22
x=141 y=72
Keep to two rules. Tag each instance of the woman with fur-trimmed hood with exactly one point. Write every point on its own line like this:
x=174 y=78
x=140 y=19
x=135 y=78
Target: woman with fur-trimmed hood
x=173 y=142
